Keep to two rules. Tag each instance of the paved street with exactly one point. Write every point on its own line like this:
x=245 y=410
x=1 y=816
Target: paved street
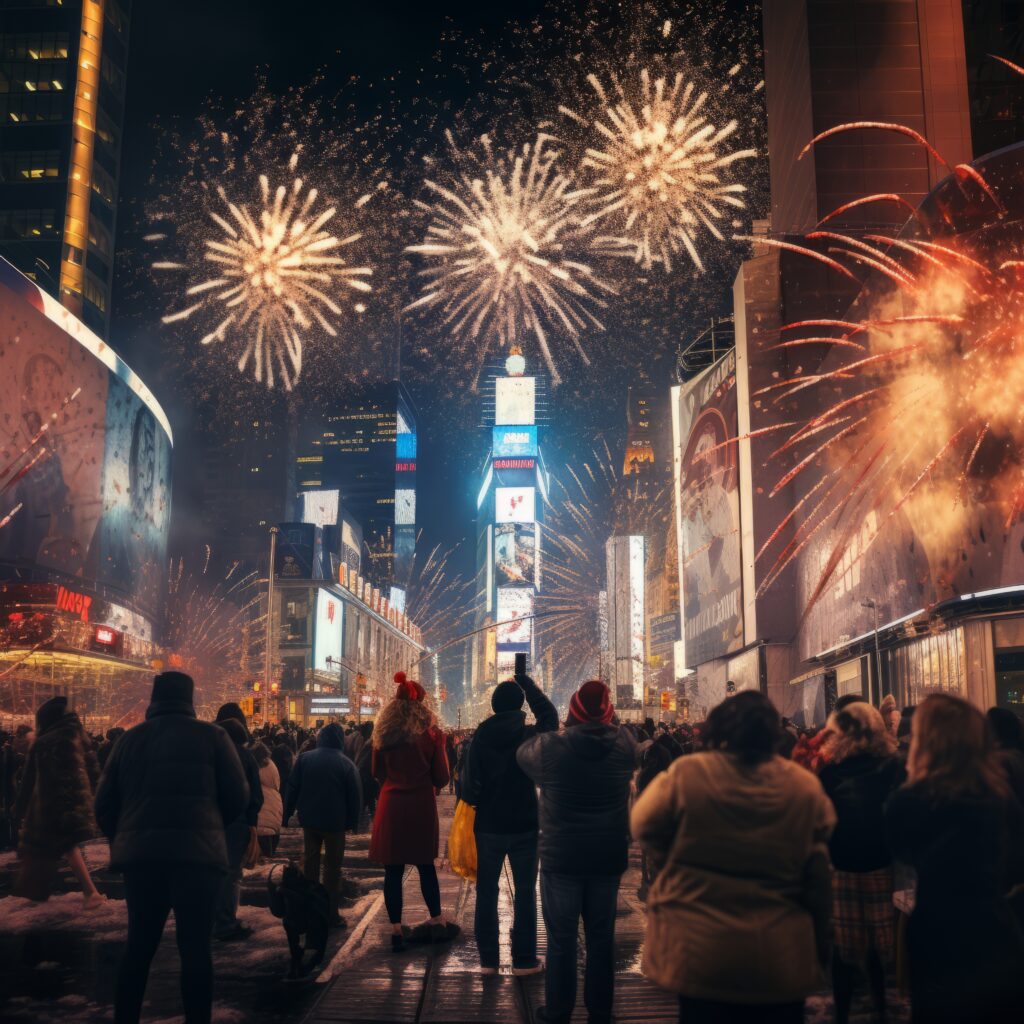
x=57 y=964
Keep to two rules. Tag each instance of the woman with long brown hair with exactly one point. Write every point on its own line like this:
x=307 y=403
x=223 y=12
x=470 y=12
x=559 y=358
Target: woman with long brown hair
x=410 y=763
x=954 y=823
x=860 y=773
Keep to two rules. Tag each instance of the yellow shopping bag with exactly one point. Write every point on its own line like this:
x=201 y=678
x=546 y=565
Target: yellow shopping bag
x=462 y=842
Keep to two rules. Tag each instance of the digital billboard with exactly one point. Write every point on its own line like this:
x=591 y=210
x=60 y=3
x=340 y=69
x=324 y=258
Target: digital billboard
x=514 y=504
x=327 y=634
x=405 y=438
x=95 y=486
x=515 y=553
x=514 y=602
x=405 y=507
x=708 y=513
x=515 y=401
x=320 y=507
x=517 y=442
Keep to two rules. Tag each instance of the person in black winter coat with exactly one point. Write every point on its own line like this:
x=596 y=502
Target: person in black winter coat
x=860 y=774
x=506 y=819
x=584 y=775
x=170 y=787
x=242 y=834
x=957 y=825
x=364 y=765
x=284 y=761
x=324 y=788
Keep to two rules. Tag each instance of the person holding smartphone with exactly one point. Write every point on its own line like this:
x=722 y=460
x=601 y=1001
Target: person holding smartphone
x=506 y=817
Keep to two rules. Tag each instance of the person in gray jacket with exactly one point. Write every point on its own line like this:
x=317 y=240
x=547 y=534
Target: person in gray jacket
x=584 y=775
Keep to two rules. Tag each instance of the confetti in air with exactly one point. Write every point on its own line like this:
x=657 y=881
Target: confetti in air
x=661 y=170
x=272 y=277
x=505 y=250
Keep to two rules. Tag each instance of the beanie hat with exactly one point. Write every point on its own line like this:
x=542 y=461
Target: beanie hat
x=507 y=696
x=591 y=704
x=51 y=712
x=408 y=689
x=172 y=686
x=236 y=730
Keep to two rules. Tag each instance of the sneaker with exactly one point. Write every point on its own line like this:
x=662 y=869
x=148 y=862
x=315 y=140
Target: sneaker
x=523 y=972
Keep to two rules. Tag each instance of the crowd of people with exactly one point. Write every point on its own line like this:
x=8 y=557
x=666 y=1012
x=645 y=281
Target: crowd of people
x=887 y=844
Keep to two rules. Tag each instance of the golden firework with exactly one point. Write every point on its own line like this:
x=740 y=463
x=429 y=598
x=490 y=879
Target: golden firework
x=505 y=250
x=658 y=167
x=271 y=276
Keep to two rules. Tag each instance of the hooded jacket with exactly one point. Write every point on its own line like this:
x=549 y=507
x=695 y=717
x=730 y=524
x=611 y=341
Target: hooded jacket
x=731 y=914
x=324 y=786
x=170 y=787
x=584 y=775
x=504 y=798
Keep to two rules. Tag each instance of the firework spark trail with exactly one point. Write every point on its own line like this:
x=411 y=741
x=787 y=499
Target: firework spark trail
x=657 y=168
x=505 y=250
x=942 y=346
x=273 y=275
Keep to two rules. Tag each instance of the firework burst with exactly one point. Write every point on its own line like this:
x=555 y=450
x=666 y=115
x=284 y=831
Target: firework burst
x=659 y=167
x=505 y=248
x=912 y=407
x=271 y=275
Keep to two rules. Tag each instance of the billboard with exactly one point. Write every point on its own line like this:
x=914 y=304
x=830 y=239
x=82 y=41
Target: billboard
x=514 y=602
x=708 y=513
x=514 y=504
x=95 y=485
x=405 y=506
x=515 y=401
x=405 y=437
x=327 y=632
x=515 y=554
x=514 y=442
x=320 y=507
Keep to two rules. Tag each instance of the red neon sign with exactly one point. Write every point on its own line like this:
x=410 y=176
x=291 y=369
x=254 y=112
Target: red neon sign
x=71 y=601
x=514 y=463
x=106 y=636
x=405 y=467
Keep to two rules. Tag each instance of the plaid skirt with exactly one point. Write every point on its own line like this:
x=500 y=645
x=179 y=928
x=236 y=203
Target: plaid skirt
x=863 y=916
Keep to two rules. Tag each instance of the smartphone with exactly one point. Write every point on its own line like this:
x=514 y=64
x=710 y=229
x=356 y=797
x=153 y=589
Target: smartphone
x=520 y=665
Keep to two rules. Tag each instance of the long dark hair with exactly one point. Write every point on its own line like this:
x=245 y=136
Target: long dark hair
x=747 y=726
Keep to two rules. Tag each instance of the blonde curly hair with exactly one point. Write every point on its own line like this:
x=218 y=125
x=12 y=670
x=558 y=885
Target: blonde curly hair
x=402 y=720
x=857 y=729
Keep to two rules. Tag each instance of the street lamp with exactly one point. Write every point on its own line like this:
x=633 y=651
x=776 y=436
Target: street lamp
x=869 y=603
x=269 y=654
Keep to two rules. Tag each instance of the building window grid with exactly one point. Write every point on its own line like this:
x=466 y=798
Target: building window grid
x=29 y=224
x=35 y=46
x=29 y=165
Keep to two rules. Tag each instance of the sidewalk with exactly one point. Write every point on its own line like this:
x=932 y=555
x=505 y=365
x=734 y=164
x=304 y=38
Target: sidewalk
x=57 y=964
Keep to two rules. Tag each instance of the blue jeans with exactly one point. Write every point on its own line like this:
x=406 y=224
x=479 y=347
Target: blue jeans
x=491 y=851
x=565 y=899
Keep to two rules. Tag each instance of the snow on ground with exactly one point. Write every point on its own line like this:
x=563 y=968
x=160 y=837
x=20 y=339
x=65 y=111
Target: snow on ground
x=63 y=911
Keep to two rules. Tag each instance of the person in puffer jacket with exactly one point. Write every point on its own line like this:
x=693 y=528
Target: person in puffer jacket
x=268 y=824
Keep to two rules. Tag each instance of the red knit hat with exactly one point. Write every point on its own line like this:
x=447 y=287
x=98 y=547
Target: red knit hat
x=591 y=703
x=408 y=689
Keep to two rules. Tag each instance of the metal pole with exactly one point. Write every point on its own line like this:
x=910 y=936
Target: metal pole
x=878 y=656
x=269 y=654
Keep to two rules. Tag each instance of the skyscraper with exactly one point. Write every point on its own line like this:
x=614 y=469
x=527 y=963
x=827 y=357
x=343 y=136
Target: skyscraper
x=510 y=504
x=366 y=450
x=62 y=90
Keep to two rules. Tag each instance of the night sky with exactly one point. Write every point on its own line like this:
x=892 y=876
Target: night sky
x=185 y=52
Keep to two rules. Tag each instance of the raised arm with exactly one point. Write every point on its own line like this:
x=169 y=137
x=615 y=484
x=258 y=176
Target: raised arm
x=543 y=710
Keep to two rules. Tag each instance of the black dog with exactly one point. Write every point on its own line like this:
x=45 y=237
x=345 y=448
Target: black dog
x=305 y=909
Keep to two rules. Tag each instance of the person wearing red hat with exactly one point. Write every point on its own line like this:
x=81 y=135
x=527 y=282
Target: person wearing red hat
x=411 y=764
x=584 y=775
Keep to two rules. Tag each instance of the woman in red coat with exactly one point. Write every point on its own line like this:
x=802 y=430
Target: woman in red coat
x=410 y=763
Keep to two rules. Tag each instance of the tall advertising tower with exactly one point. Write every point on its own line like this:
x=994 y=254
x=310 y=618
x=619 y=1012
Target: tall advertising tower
x=510 y=504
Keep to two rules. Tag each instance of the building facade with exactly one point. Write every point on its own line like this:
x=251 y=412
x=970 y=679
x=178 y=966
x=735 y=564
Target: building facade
x=366 y=451
x=61 y=116
x=85 y=505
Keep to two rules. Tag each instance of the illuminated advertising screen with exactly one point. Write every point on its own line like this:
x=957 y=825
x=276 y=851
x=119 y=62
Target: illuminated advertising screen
x=514 y=602
x=327 y=633
x=708 y=513
x=514 y=504
x=94 y=491
x=405 y=507
x=506 y=664
x=320 y=507
x=515 y=554
x=405 y=438
x=514 y=442
x=515 y=399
